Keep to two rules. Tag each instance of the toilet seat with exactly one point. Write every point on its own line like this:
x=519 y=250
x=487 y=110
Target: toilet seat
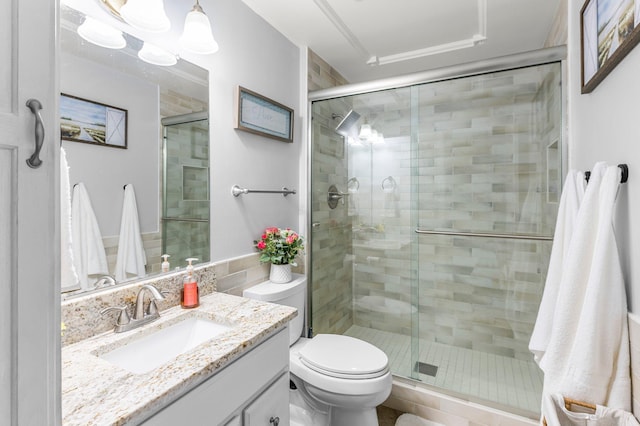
x=343 y=357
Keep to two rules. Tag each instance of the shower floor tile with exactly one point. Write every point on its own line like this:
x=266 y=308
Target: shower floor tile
x=503 y=381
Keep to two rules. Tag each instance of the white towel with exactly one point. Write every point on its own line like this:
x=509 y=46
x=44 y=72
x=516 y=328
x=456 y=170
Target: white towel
x=570 y=201
x=131 y=259
x=558 y=415
x=587 y=357
x=88 y=249
x=68 y=276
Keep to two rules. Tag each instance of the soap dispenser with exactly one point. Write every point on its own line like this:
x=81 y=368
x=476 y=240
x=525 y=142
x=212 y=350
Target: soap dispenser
x=189 y=295
x=165 y=263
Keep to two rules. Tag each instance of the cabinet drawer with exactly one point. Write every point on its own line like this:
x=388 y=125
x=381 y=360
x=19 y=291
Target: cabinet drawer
x=272 y=407
x=226 y=392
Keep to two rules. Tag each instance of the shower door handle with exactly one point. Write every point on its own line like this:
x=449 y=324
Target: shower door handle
x=35 y=106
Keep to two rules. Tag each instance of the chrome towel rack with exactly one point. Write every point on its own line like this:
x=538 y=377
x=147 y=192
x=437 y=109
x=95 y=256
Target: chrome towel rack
x=237 y=191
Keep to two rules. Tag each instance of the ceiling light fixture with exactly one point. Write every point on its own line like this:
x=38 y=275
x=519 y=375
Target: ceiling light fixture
x=101 y=34
x=157 y=56
x=197 y=36
x=146 y=15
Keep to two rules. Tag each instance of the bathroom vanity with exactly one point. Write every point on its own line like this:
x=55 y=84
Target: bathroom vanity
x=238 y=377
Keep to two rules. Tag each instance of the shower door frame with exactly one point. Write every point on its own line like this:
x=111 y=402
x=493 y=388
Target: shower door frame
x=503 y=63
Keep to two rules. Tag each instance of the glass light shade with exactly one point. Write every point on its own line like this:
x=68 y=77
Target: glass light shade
x=379 y=138
x=101 y=34
x=365 y=131
x=146 y=15
x=157 y=56
x=197 y=36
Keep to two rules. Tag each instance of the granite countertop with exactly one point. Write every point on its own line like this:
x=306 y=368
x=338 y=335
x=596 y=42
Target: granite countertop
x=96 y=392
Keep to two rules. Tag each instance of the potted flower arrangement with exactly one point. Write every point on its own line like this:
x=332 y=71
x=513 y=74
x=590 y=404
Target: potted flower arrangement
x=279 y=247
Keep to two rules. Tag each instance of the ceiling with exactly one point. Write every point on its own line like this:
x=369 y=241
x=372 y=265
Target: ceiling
x=371 y=39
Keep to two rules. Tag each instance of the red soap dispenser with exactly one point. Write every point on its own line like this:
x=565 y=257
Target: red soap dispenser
x=189 y=295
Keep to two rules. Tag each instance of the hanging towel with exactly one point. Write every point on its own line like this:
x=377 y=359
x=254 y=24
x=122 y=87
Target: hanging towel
x=68 y=276
x=131 y=259
x=557 y=414
x=587 y=357
x=88 y=250
x=570 y=201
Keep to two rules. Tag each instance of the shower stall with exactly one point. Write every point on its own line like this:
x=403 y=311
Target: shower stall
x=433 y=200
x=185 y=187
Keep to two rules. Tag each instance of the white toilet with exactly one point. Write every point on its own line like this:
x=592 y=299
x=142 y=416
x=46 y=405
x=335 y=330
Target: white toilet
x=340 y=380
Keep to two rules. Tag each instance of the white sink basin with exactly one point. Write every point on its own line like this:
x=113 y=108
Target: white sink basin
x=149 y=352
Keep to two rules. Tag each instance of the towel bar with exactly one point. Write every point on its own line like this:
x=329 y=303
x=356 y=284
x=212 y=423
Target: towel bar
x=236 y=191
x=623 y=179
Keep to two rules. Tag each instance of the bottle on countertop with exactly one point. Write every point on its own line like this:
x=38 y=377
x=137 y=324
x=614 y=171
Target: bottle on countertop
x=190 y=295
x=165 y=263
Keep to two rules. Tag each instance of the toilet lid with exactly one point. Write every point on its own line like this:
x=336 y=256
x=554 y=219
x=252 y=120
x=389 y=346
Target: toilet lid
x=343 y=356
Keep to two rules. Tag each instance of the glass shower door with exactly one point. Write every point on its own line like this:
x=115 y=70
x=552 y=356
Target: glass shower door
x=185 y=218
x=487 y=187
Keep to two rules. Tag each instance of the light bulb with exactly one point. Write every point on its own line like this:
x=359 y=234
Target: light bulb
x=197 y=36
x=146 y=15
x=101 y=34
x=157 y=56
x=365 y=131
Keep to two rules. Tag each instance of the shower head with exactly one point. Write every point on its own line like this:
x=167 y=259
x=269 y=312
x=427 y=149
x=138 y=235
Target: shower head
x=347 y=122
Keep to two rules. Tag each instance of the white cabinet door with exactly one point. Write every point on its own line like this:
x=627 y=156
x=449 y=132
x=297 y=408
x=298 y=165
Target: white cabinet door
x=29 y=289
x=271 y=408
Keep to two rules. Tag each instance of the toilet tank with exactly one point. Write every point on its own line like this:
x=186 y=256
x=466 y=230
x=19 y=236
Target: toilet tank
x=292 y=294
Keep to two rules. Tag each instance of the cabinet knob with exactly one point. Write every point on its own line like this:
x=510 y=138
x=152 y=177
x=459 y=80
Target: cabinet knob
x=275 y=421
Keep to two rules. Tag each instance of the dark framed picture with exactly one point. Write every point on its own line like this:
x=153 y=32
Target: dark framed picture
x=609 y=31
x=263 y=116
x=86 y=121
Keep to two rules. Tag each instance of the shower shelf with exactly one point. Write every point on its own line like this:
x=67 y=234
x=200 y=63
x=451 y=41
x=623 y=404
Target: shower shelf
x=485 y=235
x=237 y=191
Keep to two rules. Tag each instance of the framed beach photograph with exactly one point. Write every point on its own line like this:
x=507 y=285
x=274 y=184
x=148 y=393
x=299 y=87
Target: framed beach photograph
x=263 y=116
x=609 y=31
x=86 y=121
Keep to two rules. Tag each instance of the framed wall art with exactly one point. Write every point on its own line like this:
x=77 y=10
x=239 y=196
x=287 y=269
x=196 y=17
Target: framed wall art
x=86 y=121
x=609 y=31
x=263 y=116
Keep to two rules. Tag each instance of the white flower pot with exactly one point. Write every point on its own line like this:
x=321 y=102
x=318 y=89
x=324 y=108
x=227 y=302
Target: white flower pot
x=280 y=274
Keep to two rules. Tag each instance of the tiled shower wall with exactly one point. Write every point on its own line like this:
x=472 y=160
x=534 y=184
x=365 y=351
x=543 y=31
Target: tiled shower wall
x=332 y=229
x=332 y=263
x=487 y=160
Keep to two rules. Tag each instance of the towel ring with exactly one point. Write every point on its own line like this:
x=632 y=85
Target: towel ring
x=355 y=182
x=391 y=181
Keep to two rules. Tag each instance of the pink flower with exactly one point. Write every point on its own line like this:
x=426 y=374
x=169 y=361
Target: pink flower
x=261 y=245
x=264 y=236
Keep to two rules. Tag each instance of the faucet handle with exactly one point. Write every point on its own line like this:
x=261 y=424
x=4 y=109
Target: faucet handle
x=123 y=318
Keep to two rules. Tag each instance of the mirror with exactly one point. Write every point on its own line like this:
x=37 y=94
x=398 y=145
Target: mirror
x=165 y=156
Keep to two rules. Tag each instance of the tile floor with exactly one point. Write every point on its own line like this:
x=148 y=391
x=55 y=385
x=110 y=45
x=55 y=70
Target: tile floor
x=501 y=380
x=387 y=416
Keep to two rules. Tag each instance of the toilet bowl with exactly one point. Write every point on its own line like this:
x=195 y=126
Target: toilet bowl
x=339 y=380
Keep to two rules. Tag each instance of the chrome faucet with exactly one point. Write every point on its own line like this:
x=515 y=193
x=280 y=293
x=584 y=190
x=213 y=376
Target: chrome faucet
x=152 y=310
x=140 y=316
x=105 y=281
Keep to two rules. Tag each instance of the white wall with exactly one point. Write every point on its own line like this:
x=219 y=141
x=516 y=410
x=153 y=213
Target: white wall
x=105 y=170
x=253 y=55
x=605 y=126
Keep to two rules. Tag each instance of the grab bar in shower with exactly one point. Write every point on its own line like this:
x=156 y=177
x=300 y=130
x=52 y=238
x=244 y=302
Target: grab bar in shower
x=236 y=191
x=484 y=235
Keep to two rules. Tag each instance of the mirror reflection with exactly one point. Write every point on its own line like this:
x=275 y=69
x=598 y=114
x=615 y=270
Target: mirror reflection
x=158 y=148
